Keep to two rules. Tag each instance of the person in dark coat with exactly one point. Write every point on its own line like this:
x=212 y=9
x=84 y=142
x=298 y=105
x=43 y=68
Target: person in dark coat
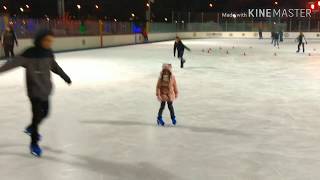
x=260 y=33
x=8 y=39
x=180 y=47
x=273 y=37
x=301 y=40
x=281 y=36
x=145 y=35
x=38 y=62
x=276 y=39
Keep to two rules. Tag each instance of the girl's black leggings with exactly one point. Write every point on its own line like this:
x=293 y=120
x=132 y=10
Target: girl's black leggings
x=170 y=106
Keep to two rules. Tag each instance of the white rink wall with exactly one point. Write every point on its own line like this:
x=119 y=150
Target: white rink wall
x=206 y=35
x=88 y=42
x=84 y=42
x=153 y=37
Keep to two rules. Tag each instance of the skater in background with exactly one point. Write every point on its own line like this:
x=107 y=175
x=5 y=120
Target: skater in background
x=179 y=46
x=281 y=35
x=38 y=62
x=272 y=37
x=260 y=33
x=167 y=92
x=145 y=34
x=276 y=39
x=301 y=40
x=8 y=39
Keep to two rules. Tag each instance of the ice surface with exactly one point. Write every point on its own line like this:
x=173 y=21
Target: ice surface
x=253 y=117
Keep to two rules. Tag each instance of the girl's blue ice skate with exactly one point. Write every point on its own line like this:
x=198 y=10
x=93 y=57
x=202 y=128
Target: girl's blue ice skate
x=174 y=121
x=160 y=121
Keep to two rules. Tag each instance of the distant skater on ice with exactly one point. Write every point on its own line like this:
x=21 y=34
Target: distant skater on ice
x=179 y=46
x=272 y=37
x=301 y=41
x=38 y=62
x=281 y=35
x=276 y=39
x=260 y=33
x=9 y=40
x=167 y=92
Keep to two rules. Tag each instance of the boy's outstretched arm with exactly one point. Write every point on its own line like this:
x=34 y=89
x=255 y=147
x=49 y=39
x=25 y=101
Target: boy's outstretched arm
x=58 y=70
x=15 y=62
x=187 y=47
x=305 y=40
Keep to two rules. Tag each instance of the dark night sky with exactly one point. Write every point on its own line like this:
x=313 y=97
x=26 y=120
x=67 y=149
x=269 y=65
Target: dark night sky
x=122 y=8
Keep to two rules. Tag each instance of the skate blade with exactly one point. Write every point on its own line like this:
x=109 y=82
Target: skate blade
x=167 y=126
x=27 y=133
x=35 y=155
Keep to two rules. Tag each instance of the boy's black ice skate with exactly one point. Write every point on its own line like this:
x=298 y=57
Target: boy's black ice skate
x=28 y=131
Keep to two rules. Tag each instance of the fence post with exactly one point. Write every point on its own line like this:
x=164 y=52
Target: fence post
x=299 y=26
x=202 y=17
x=189 y=17
x=101 y=32
x=226 y=25
x=318 y=26
x=309 y=26
x=172 y=17
x=252 y=24
x=177 y=29
x=61 y=8
x=290 y=26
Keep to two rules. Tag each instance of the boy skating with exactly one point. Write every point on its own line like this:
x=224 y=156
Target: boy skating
x=38 y=62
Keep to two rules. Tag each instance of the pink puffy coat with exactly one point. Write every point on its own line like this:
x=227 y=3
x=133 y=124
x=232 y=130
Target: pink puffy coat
x=167 y=90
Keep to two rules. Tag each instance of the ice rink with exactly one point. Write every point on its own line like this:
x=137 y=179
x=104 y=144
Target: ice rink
x=253 y=117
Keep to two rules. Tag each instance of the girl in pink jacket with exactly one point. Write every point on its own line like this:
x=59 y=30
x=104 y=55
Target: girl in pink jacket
x=167 y=92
